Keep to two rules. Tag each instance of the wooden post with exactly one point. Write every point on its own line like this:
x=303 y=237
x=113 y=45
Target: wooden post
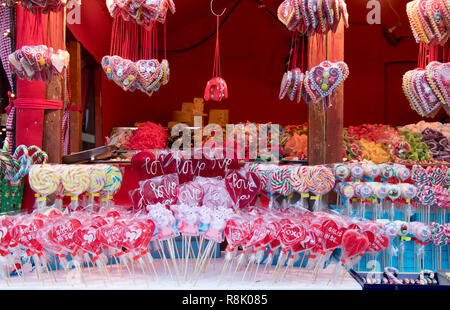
x=99 y=139
x=76 y=122
x=325 y=129
x=51 y=141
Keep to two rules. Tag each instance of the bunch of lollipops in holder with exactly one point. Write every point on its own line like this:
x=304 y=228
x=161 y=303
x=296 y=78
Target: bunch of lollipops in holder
x=143 y=13
x=429 y=20
x=133 y=61
x=310 y=17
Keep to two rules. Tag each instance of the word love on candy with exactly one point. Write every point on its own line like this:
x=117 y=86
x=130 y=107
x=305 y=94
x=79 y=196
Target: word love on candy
x=144 y=75
x=38 y=63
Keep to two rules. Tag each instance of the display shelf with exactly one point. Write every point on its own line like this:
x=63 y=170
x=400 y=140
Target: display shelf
x=95 y=280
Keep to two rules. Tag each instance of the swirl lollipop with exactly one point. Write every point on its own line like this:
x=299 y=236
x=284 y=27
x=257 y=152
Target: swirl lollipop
x=75 y=179
x=44 y=180
x=262 y=175
x=97 y=174
x=298 y=176
x=113 y=182
x=280 y=181
x=320 y=180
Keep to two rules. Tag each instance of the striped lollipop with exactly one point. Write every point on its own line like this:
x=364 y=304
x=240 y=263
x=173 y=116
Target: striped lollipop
x=75 y=179
x=320 y=180
x=261 y=173
x=298 y=176
x=280 y=181
x=44 y=179
x=113 y=179
x=97 y=175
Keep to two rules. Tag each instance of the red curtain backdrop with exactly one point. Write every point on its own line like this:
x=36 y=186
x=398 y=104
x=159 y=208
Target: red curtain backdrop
x=254 y=46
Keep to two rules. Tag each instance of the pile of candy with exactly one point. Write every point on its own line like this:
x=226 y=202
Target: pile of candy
x=390 y=276
x=425 y=88
x=311 y=17
x=144 y=75
x=419 y=127
x=429 y=20
x=148 y=136
x=316 y=85
x=438 y=144
x=38 y=63
x=141 y=12
x=43 y=5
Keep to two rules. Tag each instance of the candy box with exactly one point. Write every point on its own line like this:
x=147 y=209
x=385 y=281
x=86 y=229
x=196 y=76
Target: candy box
x=360 y=276
x=11 y=196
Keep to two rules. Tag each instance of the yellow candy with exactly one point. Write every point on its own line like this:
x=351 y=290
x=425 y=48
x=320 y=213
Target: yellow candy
x=75 y=179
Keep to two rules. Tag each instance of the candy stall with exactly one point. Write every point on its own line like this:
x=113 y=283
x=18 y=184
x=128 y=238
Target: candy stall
x=106 y=184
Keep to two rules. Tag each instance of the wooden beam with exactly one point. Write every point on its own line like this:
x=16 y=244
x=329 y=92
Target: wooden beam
x=76 y=122
x=325 y=128
x=51 y=141
x=99 y=139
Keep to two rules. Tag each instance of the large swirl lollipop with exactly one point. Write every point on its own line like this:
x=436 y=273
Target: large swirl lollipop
x=97 y=174
x=112 y=183
x=44 y=180
x=298 y=182
x=320 y=180
x=262 y=175
x=75 y=179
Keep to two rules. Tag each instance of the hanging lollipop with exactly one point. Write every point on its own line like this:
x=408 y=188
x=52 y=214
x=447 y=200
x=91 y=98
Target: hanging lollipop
x=44 y=180
x=216 y=89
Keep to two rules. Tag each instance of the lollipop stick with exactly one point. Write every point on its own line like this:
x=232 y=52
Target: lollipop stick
x=210 y=255
x=187 y=258
x=164 y=258
x=204 y=258
x=225 y=264
x=174 y=263
x=301 y=264
x=150 y=259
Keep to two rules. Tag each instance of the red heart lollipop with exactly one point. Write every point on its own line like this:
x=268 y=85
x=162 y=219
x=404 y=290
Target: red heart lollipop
x=190 y=193
x=86 y=238
x=291 y=234
x=242 y=186
x=332 y=234
x=5 y=236
x=257 y=235
x=378 y=242
x=353 y=243
x=236 y=233
x=162 y=189
x=308 y=243
x=145 y=165
x=62 y=232
x=25 y=233
x=111 y=235
x=136 y=233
